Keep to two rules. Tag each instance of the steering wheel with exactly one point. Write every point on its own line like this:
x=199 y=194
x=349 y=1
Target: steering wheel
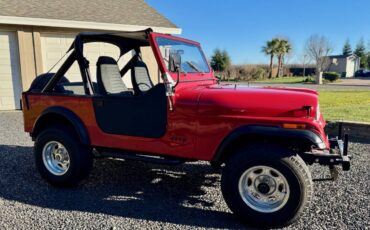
x=145 y=84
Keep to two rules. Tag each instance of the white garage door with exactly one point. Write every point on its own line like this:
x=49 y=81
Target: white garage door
x=54 y=46
x=10 y=79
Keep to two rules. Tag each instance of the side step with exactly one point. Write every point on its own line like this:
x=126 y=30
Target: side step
x=139 y=157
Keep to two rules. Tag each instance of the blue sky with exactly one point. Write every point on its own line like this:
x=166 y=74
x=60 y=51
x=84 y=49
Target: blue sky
x=242 y=27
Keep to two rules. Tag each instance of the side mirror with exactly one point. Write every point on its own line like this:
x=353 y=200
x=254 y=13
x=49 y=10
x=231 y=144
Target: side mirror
x=174 y=62
x=178 y=71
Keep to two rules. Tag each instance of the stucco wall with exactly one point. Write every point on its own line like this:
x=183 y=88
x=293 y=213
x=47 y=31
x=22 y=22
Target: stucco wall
x=338 y=65
x=148 y=57
x=30 y=53
x=341 y=65
x=350 y=68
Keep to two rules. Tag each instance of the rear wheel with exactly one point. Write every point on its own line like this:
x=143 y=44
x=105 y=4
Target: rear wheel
x=266 y=185
x=60 y=158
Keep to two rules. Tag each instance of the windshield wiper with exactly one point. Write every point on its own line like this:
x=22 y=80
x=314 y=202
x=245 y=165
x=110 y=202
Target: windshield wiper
x=193 y=66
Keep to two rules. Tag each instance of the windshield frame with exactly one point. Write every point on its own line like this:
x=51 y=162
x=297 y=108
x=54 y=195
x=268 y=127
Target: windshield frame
x=161 y=59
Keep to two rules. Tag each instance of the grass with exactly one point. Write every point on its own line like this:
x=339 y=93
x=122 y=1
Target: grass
x=285 y=80
x=345 y=105
x=348 y=105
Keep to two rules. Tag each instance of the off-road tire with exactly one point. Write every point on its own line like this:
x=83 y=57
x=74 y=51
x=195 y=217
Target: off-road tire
x=290 y=165
x=81 y=159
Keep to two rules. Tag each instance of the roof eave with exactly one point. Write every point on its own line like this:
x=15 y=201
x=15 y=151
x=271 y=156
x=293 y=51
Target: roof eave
x=83 y=25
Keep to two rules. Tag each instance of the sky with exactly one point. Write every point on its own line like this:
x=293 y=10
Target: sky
x=242 y=27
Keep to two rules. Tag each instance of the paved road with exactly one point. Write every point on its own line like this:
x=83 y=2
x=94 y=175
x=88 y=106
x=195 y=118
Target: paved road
x=327 y=87
x=133 y=195
x=358 y=81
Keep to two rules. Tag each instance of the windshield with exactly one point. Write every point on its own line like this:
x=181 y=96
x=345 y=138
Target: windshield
x=186 y=56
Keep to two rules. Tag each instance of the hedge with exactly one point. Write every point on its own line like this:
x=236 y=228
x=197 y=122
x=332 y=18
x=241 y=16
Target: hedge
x=331 y=76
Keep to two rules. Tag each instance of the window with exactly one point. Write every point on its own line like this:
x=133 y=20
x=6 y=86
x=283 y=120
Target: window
x=189 y=56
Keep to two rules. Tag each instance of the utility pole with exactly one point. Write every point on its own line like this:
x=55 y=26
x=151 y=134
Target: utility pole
x=304 y=64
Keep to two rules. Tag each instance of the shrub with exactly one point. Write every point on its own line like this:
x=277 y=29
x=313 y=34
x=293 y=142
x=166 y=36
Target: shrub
x=331 y=76
x=308 y=79
x=248 y=72
x=260 y=73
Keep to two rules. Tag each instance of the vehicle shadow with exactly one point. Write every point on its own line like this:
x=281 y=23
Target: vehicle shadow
x=122 y=188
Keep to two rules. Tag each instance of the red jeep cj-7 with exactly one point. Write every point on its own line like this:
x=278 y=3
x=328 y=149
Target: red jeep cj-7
x=261 y=138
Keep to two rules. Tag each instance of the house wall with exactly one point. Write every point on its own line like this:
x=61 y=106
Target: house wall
x=30 y=51
x=339 y=65
x=148 y=57
x=350 y=67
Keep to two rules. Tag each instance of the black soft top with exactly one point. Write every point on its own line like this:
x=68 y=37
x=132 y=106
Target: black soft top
x=126 y=41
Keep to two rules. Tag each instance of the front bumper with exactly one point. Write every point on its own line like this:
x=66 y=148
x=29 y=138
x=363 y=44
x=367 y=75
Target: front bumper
x=337 y=155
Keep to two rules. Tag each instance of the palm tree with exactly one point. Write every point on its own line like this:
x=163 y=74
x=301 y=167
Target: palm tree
x=271 y=49
x=283 y=48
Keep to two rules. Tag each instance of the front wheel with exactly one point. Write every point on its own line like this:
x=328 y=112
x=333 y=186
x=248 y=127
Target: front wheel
x=60 y=158
x=266 y=185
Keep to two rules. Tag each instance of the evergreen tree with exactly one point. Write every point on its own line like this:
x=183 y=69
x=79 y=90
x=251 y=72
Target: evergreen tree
x=220 y=60
x=347 y=50
x=360 y=51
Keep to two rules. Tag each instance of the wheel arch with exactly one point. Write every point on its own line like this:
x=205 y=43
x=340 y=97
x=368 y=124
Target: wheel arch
x=61 y=115
x=301 y=140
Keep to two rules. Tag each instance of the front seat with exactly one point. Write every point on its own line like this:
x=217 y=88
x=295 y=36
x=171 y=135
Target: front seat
x=140 y=76
x=109 y=81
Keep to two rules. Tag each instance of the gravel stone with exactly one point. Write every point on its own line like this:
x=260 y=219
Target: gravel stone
x=134 y=195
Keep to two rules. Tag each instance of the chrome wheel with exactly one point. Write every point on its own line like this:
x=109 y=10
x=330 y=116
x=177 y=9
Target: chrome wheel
x=264 y=189
x=56 y=158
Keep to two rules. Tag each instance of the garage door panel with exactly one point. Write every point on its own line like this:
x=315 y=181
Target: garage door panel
x=5 y=86
x=54 y=47
x=6 y=73
x=56 y=39
x=7 y=101
x=5 y=55
x=4 y=50
x=92 y=54
x=6 y=60
x=55 y=55
x=91 y=47
x=7 y=93
x=10 y=80
x=3 y=38
x=52 y=41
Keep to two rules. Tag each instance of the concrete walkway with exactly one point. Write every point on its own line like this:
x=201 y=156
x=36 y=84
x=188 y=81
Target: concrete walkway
x=359 y=81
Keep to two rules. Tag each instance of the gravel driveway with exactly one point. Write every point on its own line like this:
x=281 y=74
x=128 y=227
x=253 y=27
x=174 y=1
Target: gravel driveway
x=134 y=195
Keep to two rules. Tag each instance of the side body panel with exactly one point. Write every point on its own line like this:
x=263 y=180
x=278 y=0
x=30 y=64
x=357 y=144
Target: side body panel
x=179 y=140
x=196 y=127
x=224 y=108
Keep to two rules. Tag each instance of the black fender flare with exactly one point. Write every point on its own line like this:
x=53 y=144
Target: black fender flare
x=276 y=133
x=70 y=116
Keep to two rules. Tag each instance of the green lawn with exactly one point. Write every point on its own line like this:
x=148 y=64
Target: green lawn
x=345 y=105
x=336 y=105
x=284 y=80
